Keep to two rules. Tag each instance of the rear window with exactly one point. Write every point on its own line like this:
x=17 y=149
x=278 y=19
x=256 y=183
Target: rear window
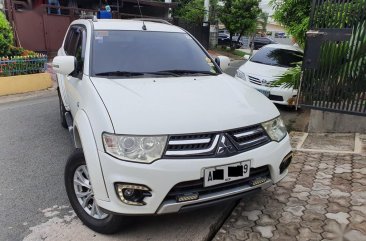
x=277 y=57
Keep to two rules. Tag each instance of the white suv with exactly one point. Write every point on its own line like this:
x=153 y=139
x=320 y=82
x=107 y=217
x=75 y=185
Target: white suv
x=158 y=127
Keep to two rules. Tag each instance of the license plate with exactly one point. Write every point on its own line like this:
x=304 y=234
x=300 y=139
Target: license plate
x=265 y=92
x=227 y=173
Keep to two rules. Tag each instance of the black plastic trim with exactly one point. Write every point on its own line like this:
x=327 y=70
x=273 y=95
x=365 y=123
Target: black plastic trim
x=192 y=207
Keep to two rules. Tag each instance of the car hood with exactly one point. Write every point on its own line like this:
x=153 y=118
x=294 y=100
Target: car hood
x=177 y=105
x=268 y=72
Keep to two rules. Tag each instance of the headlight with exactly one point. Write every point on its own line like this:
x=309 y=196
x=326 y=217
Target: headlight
x=275 y=128
x=240 y=75
x=144 y=149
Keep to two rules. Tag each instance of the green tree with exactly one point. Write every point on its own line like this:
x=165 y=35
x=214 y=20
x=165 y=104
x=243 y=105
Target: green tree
x=294 y=16
x=239 y=16
x=193 y=11
x=263 y=21
x=6 y=36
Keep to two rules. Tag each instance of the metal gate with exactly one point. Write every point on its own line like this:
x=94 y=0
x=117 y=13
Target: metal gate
x=41 y=29
x=334 y=67
x=198 y=30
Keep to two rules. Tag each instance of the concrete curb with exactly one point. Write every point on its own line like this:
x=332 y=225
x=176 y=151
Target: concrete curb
x=341 y=143
x=24 y=83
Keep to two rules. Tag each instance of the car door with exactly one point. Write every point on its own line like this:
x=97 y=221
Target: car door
x=73 y=81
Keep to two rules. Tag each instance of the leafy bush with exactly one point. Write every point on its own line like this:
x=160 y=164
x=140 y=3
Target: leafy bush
x=192 y=11
x=294 y=16
x=6 y=37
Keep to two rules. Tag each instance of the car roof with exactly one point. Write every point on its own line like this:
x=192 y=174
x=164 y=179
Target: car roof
x=124 y=24
x=283 y=46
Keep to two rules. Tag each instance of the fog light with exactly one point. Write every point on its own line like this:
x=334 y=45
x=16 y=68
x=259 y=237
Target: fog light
x=187 y=197
x=128 y=192
x=285 y=162
x=258 y=181
x=133 y=194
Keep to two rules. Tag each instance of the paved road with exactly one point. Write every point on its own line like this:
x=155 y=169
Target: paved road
x=33 y=202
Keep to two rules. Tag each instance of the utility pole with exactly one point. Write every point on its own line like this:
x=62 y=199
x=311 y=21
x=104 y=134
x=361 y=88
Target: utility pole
x=206 y=6
x=169 y=9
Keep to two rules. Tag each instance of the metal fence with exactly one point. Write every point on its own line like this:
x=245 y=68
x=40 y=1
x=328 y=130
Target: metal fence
x=19 y=65
x=334 y=67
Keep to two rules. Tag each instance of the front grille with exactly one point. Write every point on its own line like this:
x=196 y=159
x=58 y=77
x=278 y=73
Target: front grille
x=196 y=186
x=275 y=97
x=188 y=145
x=206 y=145
x=257 y=81
x=249 y=137
x=190 y=142
x=254 y=80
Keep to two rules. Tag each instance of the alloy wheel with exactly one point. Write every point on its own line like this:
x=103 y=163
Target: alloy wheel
x=84 y=193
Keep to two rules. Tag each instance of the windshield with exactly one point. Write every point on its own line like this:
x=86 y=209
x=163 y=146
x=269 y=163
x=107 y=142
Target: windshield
x=277 y=57
x=144 y=53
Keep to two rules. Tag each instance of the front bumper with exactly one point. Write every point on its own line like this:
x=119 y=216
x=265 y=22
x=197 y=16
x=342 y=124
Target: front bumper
x=278 y=95
x=162 y=175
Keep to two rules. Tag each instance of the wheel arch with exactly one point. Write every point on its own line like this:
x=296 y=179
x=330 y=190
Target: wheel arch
x=84 y=137
x=77 y=140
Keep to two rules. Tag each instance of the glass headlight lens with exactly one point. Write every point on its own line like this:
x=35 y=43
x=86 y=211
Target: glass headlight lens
x=240 y=75
x=275 y=128
x=144 y=149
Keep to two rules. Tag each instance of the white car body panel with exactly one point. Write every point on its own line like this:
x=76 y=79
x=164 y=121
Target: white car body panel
x=263 y=71
x=182 y=105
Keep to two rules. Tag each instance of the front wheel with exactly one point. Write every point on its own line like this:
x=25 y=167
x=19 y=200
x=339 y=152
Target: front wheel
x=80 y=192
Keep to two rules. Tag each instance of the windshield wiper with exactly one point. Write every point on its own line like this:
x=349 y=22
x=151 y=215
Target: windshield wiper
x=129 y=74
x=119 y=73
x=259 y=62
x=184 y=72
x=162 y=72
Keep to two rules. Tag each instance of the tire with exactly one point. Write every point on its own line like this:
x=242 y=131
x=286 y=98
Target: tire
x=103 y=223
x=62 y=110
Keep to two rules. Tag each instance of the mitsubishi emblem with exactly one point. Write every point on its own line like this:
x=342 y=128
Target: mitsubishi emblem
x=225 y=146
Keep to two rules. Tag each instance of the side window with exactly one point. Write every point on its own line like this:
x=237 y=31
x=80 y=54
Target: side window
x=73 y=42
x=80 y=50
x=68 y=39
x=76 y=48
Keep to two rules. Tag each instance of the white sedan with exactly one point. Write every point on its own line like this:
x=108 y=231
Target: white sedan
x=266 y=66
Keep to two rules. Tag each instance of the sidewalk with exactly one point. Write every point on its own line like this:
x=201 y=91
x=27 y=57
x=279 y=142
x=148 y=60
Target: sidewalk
x=322 y=198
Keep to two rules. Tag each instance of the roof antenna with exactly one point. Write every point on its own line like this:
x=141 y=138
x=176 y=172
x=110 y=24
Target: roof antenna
x=143 y=22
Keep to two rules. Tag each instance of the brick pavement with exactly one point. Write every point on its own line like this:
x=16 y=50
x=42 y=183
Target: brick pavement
x=322 y=198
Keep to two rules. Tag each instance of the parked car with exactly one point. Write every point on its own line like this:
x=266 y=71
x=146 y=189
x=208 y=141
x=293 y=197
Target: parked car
x=280 y=35
x=259 y=42
x=266 y=66
x=224 y=39
x=158 y=127
x=243 y=40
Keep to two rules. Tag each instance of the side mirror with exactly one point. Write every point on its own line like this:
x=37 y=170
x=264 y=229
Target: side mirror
x=64 y=64
x=247 y=56
x=223 y=62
